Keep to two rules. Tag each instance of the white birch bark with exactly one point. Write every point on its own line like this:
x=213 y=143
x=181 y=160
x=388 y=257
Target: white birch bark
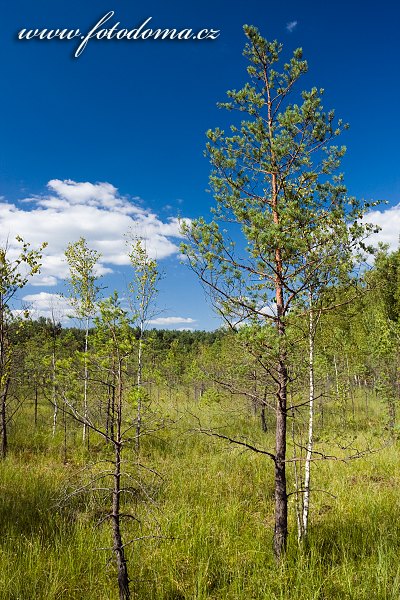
x=139 y=386
x=85 y=390
x=54 y=394
x=310 y=441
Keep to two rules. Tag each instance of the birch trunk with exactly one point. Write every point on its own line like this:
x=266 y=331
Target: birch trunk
x=297 y=482
x=4 y=379
x=139 y=390
x=54 y=394
x=310 y=441
x=85 y=384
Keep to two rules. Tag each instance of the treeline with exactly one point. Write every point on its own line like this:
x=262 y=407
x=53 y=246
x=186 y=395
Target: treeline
x=356 y=348
x=170 y=357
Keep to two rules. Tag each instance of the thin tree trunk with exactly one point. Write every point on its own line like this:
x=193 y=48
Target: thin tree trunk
x=4 y=377
x=391 y=411
x=341 y=402
x=264 y=426
x=254 y=402
x=108 y=408
x=54 y=393
x=112 y=423
x=297 y=486
x=336 y=376
x=123 y=578
x=351 y=391
x=139 y=390
x=4 y=438
x=111 y=401
x=310 y=441
x=85 y=390
x=65 y=436
x=36 y=403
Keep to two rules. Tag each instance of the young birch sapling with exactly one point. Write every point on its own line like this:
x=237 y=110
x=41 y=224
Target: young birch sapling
x=84 y=292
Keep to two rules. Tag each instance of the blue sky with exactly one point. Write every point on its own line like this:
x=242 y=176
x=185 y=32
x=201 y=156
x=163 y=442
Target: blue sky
x=131 y=115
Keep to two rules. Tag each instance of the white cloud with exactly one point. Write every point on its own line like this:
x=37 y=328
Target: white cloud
x=270 y=310
x=291 y=26
x=98 y=213
x=44 y=281
x=48 y=305
x=171 y=320
x=389 y=221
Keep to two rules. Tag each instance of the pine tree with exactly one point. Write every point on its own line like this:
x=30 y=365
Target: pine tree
x=275 y=181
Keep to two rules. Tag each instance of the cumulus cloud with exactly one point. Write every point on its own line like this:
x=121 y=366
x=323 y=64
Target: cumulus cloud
x=270 y=310
x=48 y=305
x=291 y=26
x=171 y=320
x=44 y=281
x=389 y=221
x=96 y=211
x=59 y=308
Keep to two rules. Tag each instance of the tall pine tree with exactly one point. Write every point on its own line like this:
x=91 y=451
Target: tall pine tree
x=275 y=181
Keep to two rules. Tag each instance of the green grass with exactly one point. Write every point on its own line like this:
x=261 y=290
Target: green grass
x=214 y=509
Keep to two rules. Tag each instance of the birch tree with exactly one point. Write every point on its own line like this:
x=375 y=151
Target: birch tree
x=14 y=275
x=143 y=290
x=84 y=292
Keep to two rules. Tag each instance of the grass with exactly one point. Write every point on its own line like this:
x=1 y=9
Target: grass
x=214 y=509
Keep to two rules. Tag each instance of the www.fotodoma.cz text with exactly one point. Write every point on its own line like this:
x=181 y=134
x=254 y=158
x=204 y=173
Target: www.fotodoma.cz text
x=99 y=32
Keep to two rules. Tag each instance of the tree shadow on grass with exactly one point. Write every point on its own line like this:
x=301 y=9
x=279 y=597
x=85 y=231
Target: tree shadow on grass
x=355 y=538
x=29 y=506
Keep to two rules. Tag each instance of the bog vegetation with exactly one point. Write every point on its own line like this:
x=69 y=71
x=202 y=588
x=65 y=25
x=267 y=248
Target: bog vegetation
x=259 y=461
